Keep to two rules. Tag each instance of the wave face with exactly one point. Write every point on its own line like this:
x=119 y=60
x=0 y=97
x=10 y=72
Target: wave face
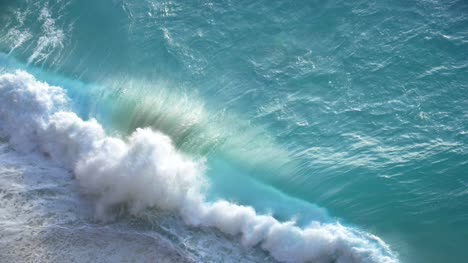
x=201 y=128
x=145 y=170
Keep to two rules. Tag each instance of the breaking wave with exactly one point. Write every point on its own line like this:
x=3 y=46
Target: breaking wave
x=144 y=170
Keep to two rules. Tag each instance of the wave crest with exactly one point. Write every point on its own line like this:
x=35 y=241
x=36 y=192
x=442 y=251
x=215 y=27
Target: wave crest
x=145 y=170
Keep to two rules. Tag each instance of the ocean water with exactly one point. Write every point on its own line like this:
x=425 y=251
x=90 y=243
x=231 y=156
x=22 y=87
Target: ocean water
x=227 y=131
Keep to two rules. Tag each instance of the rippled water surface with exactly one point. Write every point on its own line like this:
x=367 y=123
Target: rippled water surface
x=340 y=112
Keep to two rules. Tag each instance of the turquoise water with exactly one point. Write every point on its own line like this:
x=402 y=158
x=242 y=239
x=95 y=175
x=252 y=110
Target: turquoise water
x=355 y=111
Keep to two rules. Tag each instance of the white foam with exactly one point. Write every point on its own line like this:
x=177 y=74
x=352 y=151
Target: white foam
x=145 y=170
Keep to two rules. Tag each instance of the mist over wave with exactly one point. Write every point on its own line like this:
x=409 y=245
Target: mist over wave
x=145 y=170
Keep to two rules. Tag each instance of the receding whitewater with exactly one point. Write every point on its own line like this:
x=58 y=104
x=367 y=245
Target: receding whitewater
x=218 y=131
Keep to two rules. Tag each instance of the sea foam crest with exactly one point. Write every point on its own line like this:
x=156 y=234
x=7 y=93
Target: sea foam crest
x=145 y=170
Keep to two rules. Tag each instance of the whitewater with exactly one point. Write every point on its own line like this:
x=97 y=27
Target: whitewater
x=144 y=170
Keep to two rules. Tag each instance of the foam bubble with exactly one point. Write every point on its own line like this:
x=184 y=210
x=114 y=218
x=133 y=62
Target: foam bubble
x=145 y=170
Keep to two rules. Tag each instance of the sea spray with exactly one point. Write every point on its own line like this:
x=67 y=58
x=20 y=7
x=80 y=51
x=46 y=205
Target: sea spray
x=145 y=170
